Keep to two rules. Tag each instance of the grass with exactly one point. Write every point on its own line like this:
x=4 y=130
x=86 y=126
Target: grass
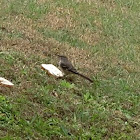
x=102 y=40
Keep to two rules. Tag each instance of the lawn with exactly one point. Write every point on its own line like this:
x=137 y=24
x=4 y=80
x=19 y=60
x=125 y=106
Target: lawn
x=101 y=38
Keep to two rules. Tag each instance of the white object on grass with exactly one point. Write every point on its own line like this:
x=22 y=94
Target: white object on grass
x=52 y=70
x=4 y=82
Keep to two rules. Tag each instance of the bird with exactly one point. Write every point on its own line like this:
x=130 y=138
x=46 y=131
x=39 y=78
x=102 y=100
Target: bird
x=68 y=68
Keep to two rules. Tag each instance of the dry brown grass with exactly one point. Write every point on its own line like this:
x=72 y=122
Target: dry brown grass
x=22 y=24
x=59 y=18
x=90 y=38
x=33 y=42
x=42 y=1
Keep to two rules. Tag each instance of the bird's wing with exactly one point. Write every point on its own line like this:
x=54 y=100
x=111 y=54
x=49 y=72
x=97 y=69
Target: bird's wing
x=68 y=66
x=63 y=66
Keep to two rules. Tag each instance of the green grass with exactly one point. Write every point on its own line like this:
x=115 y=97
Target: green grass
x=42 y=107
x=64 y=36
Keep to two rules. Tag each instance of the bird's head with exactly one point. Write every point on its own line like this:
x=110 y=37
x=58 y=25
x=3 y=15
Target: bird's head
x=62 y=56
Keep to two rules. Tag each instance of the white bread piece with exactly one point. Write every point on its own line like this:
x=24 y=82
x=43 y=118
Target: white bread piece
x=52 y=70
x=4 y=82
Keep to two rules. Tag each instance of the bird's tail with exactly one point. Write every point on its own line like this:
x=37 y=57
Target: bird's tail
x=85 y=77
x=82 y=75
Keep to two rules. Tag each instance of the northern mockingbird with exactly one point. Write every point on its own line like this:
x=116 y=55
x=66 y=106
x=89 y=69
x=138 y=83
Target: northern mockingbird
x=67 y=67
